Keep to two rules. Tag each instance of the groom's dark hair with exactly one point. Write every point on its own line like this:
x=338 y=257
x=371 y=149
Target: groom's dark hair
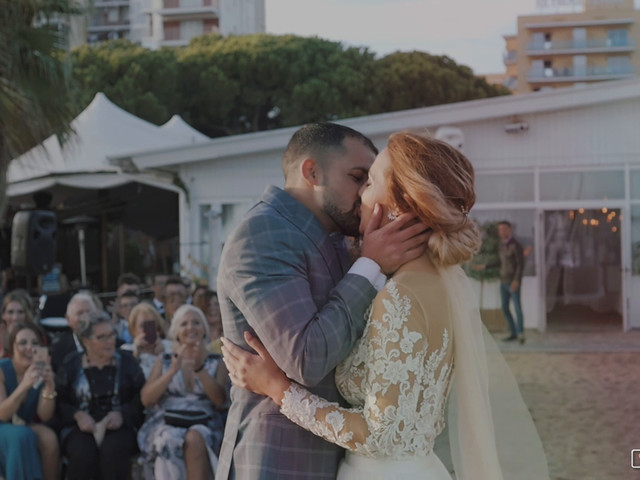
x=315 y=140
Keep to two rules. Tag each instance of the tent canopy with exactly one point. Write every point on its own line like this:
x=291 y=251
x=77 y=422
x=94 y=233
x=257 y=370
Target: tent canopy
x=102 y=131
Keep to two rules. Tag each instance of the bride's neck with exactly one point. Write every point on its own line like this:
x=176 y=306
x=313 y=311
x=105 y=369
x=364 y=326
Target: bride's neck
x=421 y=264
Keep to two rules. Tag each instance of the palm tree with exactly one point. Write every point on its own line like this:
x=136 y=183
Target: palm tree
x=35 y=92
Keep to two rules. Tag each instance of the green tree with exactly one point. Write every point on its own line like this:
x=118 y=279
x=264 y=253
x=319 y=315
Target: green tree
x=266 y=81
x=488 y=256
x=236 y=84
x=139 y=80
x=418 y=79
x=35 y=95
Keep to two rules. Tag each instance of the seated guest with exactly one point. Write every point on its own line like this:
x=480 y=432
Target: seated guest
x=128 y=282
x=99 y=403
x=172 y=302
x=16 y=308
x=145 y=325
x=67 y=342
x=174 y=284
x=197 y=296
x=180 y=384
x=210 y=306
x=27 y=450
x=124 y=305
x=157 y=286
x=4 y=352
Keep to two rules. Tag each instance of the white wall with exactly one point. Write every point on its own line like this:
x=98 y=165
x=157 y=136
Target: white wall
x=242 y=17
x=595 y=135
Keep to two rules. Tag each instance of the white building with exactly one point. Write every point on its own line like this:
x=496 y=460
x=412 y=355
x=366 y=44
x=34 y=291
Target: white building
x=162 y=23
x=563 y=166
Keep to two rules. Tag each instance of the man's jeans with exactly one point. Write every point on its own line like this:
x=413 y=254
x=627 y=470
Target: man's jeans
x=506 y=294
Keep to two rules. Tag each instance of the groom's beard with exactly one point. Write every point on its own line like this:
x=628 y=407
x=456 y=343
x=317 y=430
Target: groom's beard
x=348 y=221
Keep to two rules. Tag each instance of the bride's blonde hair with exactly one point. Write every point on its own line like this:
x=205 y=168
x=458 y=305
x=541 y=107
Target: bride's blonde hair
x=434 y=181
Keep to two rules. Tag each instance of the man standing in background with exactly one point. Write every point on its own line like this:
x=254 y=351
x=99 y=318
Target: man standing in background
x=511 y=268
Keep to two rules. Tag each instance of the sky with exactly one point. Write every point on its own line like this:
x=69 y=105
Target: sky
x=469 y=31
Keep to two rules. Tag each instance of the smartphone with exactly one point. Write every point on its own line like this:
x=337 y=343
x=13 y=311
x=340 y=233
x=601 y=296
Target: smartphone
x=40 y=356
x=150 y=332
x=40 y=360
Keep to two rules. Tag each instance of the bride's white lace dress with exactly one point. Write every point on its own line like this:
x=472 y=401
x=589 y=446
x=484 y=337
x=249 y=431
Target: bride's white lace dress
x=396 y=380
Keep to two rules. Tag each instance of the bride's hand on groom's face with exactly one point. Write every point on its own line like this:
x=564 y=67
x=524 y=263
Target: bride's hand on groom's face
x=256 y=372
x=396 y=243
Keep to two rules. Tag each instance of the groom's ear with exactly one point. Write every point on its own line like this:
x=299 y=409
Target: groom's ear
x=311 y=172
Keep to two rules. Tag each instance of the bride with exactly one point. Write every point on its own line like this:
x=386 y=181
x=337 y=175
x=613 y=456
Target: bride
x=423 y=346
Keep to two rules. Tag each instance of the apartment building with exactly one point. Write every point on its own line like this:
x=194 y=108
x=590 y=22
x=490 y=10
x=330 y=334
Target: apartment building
x=108 y=20
x=175 y=22
x=159 y=23
x=593 y=41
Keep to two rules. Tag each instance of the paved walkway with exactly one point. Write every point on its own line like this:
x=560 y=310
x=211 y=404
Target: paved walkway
x=583 y=391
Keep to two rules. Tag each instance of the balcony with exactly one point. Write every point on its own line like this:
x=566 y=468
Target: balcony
x=570 y=75
x=580 y=23
x=187 y=9
x=110 y=3
x=510 y=57
x=575 y=47
x=115 y=26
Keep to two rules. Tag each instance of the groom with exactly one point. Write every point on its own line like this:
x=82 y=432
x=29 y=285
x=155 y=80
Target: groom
x=285 y=275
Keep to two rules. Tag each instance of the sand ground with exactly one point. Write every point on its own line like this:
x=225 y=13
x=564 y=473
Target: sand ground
x=583 y=391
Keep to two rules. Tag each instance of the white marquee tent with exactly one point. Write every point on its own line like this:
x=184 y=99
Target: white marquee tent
x=102 y=131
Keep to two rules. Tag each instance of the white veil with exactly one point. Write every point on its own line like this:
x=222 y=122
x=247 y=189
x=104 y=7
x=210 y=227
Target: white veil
x=491 y=432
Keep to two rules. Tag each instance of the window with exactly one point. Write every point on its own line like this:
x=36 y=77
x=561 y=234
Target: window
x=172 y=30
x=579 y=37
x=635 y=240
x=522 y=222
x=548 y=68
x=600 y=185
x=504 y=188
x=617 y=38
x=618 y=65
x=537 y=41
x=579 y=65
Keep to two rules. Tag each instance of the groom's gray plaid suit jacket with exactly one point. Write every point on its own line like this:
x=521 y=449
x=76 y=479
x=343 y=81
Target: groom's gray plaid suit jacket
x=281 y=277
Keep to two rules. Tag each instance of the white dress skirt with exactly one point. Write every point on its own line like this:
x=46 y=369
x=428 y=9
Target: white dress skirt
x=357 y=467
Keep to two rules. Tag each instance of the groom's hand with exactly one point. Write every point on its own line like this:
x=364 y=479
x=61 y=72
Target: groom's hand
x=396 y=243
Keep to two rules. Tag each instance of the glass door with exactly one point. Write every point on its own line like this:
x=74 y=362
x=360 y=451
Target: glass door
x=583 y=269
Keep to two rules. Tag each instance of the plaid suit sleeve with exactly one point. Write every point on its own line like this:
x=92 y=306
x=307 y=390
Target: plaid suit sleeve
x=269 y=272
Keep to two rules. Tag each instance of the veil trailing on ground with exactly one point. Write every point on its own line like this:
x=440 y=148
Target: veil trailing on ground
x=491 y=432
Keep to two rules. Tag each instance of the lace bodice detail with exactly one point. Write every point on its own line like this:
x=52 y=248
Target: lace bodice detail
x=396 y=378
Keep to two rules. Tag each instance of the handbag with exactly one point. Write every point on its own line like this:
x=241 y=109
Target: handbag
x=186 y=418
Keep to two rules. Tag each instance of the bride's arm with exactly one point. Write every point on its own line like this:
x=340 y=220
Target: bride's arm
x=401 y=372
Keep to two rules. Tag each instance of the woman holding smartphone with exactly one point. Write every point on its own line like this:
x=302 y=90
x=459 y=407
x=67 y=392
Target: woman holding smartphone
x=145 y=325
x=27 y=388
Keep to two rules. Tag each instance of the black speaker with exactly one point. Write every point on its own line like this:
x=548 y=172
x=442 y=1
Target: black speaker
x=33 y=241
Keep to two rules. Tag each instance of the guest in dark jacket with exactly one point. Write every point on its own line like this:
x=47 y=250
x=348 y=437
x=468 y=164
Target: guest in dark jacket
x=99 y=403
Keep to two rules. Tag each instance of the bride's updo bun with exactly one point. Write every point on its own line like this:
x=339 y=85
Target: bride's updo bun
x=434 y=181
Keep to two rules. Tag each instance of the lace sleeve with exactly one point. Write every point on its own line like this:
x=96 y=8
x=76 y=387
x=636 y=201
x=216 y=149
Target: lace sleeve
x=404 y=354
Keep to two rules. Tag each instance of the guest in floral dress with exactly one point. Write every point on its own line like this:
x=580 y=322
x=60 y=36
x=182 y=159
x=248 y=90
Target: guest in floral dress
x=184 y=381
